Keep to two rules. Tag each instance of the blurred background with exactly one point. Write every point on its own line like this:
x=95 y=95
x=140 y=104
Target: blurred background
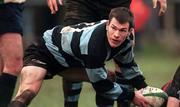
x=157 y=49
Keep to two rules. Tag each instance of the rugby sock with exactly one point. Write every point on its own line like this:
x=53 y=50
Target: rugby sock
x=7 y=85
x=71 y=93
x=71 y=104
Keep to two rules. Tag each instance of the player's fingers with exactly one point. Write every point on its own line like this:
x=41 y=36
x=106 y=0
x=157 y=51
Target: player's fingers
x=154 y=3
x=148 y=103
x=55 y=5
x=144 y=104
x=163 y=7
x=61 y=2
x=51 y=7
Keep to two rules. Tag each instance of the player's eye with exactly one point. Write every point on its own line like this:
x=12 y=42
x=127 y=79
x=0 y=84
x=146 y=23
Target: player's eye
x=123 y=30
x=113 y=27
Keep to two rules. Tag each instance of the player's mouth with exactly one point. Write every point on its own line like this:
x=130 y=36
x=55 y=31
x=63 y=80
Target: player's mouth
x=115 y=41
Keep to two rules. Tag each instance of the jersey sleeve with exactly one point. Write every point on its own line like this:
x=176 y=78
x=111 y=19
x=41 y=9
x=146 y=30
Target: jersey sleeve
x=130 y=71
x=105 y=87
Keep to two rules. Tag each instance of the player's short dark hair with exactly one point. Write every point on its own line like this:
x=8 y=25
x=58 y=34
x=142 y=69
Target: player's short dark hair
x=123 y=15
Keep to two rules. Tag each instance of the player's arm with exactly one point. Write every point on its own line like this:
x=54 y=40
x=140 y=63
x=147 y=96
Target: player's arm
x=53 y=5
x=129 y=68
x=112 y=90
x=97 y=75
x=163 y=6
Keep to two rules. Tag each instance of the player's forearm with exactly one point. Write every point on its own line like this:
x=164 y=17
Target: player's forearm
x=137 y=82
x=112 y=90
x=105 y=87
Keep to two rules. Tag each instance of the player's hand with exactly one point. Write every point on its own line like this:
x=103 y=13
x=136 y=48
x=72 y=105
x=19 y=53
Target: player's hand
x=111 y=75
x=163 y=6
x=53 y=5
x=140 y=100
x=173 y=102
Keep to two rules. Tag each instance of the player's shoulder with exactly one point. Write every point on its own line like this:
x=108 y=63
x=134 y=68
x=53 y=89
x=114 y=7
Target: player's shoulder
x=84 y=26
x=88 y=24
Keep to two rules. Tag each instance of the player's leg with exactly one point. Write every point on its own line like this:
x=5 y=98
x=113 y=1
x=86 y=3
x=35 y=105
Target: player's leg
x=31 y=79
x=12 y=53
x=71 y=93
x=71 y=85
x=80 y=14
x=10 y=48
x=174 y=87
x=78 y=11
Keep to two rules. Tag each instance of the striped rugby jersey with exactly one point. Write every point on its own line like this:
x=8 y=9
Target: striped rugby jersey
x=86 y=45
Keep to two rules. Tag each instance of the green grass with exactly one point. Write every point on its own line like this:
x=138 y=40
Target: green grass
x=157 y=65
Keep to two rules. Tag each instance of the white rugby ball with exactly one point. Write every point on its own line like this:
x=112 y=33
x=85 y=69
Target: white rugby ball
x=155 y=96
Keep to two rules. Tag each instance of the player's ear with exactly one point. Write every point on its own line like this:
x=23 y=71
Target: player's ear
x=131 y=31
x=107 y=24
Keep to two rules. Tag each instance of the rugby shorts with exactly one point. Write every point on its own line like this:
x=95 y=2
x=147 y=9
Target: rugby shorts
x=39 y=55
x=90 y=10
x=11 y=18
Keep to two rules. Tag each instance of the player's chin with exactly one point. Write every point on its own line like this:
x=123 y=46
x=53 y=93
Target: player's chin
x=115 y=45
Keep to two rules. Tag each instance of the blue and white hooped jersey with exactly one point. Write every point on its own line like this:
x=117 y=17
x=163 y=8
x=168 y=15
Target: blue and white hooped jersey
x=86 y=45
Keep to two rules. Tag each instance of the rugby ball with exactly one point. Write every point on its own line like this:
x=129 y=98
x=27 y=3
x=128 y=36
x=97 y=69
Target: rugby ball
x=155 y=96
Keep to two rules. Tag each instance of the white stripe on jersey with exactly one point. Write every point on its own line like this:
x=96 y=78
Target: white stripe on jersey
x=66 y=39
x=86 y=35
x=54 y=49
x=14 y=1
x=96 y=74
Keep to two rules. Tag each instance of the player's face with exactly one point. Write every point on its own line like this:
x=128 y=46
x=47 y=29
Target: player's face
x=117 y=32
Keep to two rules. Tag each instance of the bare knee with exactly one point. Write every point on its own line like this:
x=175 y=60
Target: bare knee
x=11 y=52
x=13 y=65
